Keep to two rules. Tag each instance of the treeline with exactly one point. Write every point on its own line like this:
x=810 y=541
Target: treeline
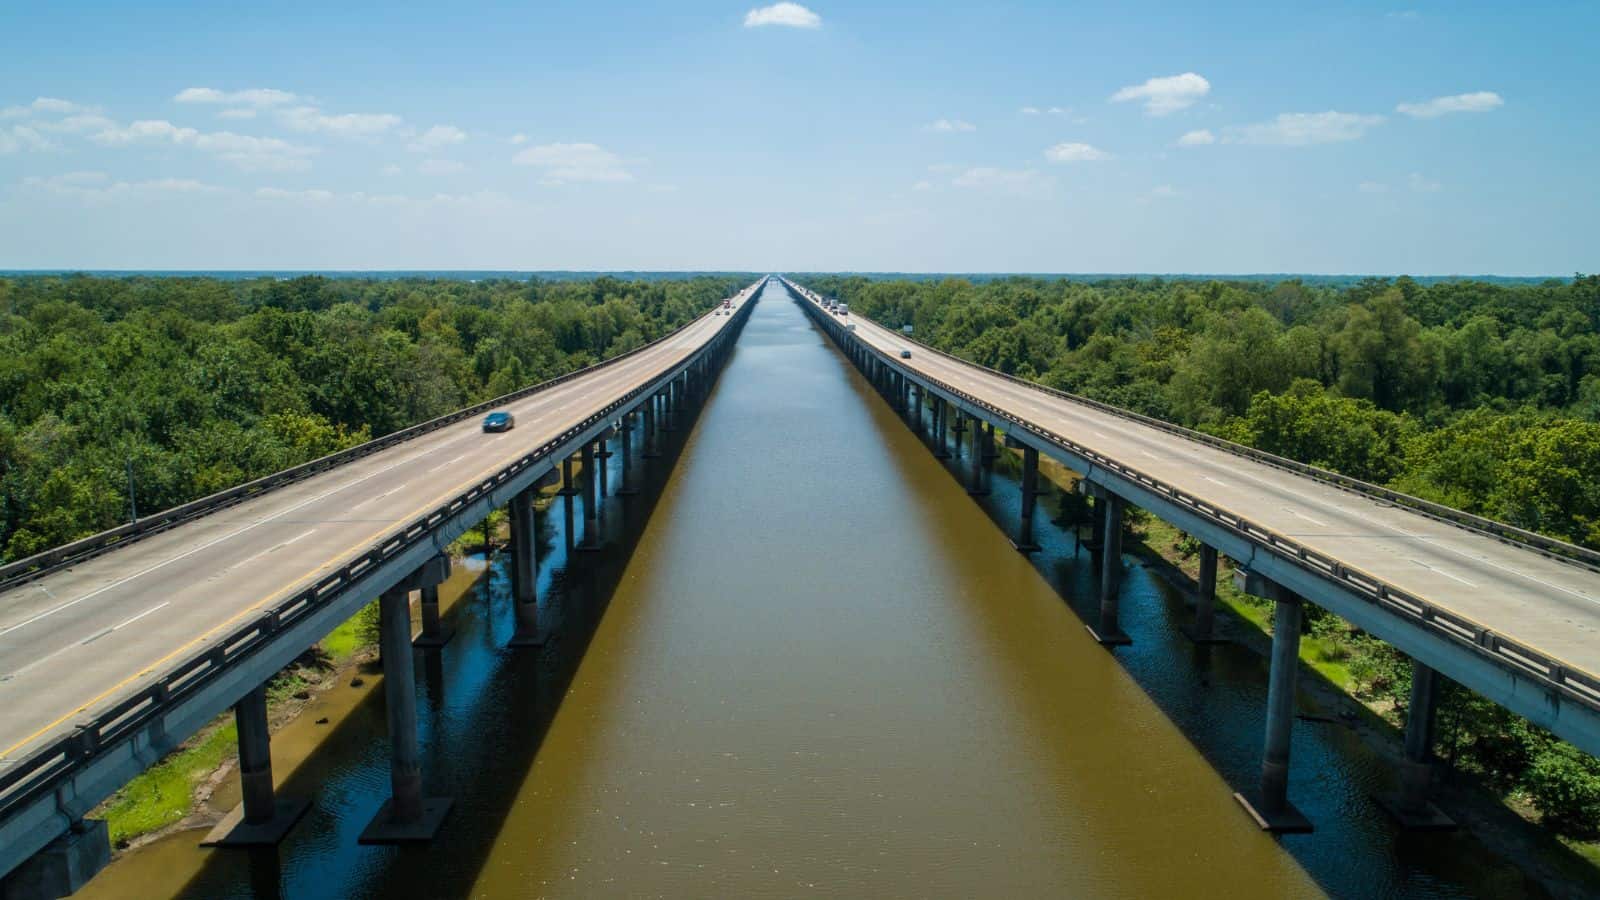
x=1482 y=396
x=203 y=383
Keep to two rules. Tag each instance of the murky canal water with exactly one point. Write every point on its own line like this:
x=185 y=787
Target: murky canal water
x=816 y=666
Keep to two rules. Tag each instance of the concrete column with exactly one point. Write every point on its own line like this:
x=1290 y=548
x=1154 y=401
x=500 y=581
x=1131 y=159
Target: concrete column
x=1203 y=631
x=525 y=571
x=625 y=481
x=407 y=816
x=916 y=420
x=568 y=486
x=1411 y=806
x=651 y=440
x=941 y=425
x=1270 y=806
x=975 y=485
x=989 y=452
x=1108 y=630
x=435 y=633
x=591 y=504
x=1030 y=498
x=261 y=820
x=959 y=429
x=603 y=465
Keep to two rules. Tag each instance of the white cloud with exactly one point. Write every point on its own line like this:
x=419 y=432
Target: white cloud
x=1159 y=192
x=1029 y=110
x=1162 y=96
x=270 y=193
x=923 y=185
x=1075 y=152
x=437 y=137
x=1004 y=180
x=98 y=185
x=1197 y=138
x=252 y=154
x=1305 y=129
x=260 y=98
x=564 y=163
x=951 y=125
x=391 y=170
x=1058 y=110
x=243 y=112
x=22 y=137
x=48 y=105
x=440 y=167
x=1422 y=184
x=310 y=118
x=1478 y=101
x=519 y=138
x=790 y=15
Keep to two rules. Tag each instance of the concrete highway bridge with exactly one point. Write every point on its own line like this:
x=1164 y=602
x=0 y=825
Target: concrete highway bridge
x=117 y=648
x=1512 y=615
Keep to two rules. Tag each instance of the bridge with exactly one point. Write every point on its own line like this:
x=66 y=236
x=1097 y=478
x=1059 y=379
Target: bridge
x=120 y=646
x=1513 y=615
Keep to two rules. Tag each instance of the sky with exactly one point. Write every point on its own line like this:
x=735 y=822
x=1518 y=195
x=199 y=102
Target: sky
x=1219 y=137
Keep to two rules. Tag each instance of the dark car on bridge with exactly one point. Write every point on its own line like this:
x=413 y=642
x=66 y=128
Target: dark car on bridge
x=499 y=421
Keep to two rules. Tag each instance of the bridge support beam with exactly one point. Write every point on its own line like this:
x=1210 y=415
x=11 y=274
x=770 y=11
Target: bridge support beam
x=568 y=486
x=407 y=816
x=1410 y=806
x=625 y=486
x=989 y=452
x=975 y=485
x=1108 y=630
x=1204 y=628
x=652 y=441
x=958 y=430
x=63 y=866
x=525 y=571
x=1269 y=806
x=591 y=504
x=435 y=633
x=262 y=819
x=603 y=465
x=1030 y=498
x=918 y=401
x=941 y=428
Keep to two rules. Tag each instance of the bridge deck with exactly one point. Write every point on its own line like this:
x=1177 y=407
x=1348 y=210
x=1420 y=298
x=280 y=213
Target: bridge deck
x=81 y=638
x=1546 y=604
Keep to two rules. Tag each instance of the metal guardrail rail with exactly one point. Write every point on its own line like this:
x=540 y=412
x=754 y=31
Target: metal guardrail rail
x=1579 y=686
x=42 y=769
x=40 y=564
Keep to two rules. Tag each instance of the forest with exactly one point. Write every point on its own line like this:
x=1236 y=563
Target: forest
x=1483 y=396
x=180 y=387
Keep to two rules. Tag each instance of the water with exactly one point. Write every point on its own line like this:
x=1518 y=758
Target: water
x=818 y=667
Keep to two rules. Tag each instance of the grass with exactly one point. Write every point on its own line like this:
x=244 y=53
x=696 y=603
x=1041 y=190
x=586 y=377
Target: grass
x=164 y=793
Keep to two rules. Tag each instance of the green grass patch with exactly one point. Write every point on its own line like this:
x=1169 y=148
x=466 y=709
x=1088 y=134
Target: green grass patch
x=165 y=792
x=355 y=633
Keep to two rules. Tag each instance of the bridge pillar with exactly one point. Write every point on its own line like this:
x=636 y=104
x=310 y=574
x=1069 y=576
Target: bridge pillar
x=406 y=816
x=568 y=487
x=975 y=485
x=651 y=440
x=1269 y=806
x=1203 y=631
x=262 y=819
x=989 y=452
x=525 y=571
x=435 y=633
x=916 y=408
x=1030 y=498
x=603 y=464
x=941 y=425
x=625 y=486
x=1108 y=630
x=1410 y=806
x=959 y=430
x=62 y=866
x=591 y=504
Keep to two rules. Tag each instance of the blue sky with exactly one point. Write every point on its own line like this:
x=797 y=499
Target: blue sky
x=1140 y=137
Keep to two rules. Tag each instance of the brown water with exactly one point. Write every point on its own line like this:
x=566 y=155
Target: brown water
x=811 y=664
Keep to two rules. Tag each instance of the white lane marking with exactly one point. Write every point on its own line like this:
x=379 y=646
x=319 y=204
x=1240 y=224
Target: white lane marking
x=1442 y=572
x=275 y=547
x=445 y=463
x=1216 y=481
x=1102 y=434
x=1295 y=512
x=140 y=615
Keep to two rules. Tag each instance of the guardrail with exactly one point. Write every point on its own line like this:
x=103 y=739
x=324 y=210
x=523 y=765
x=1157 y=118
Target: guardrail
x=1579 y=686
x=43 y=768
x=32 y=567
x=1502 y=531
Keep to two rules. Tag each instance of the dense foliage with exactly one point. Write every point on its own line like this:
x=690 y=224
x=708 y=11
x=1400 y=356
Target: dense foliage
x=1482 y=396
x=204 y=383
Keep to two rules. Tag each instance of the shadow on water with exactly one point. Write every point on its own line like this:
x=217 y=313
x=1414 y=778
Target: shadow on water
x=1216 y=696
x=483 y=709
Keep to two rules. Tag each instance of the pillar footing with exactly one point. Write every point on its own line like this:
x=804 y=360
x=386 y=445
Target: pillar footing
x=384 y=830
x=1212 y=637
x=569 y=492
x=1429 y=818
x=534 y=638
x=437 y=640
x=234 y=831
x=1024 y=548
x=1114 y=637
x=1287 y=820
